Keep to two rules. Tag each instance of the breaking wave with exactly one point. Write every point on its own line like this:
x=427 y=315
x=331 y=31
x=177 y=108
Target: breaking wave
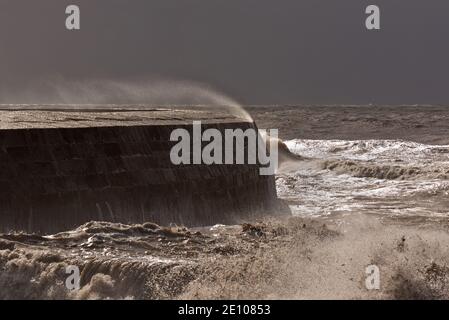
x=390 y=177
x=248 y=261
x=390 y=172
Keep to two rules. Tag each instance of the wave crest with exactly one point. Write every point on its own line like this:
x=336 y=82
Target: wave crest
x=384 y=171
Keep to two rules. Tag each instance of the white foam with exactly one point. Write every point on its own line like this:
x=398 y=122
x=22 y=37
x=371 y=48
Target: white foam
x=314 y=191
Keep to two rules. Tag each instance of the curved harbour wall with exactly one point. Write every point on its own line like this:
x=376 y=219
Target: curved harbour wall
x=61 y=169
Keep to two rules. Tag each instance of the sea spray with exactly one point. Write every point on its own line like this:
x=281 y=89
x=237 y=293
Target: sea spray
x=96 y=93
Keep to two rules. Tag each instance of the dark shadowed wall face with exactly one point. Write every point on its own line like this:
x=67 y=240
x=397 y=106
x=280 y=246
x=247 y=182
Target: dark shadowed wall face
x=257 y=51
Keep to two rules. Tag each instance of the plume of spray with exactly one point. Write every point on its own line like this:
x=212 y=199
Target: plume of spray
x=133 y=94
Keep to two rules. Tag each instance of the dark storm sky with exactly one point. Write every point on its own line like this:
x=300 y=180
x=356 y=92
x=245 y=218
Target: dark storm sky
x=257 y=51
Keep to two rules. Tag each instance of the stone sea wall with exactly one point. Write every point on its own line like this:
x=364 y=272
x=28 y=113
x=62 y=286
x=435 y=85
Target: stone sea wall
x=53 y=179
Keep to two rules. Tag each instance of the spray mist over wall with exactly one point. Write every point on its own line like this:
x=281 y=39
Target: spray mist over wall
x=95 y=94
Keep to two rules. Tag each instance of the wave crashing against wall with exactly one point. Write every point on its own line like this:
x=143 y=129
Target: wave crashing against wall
x=62 y=168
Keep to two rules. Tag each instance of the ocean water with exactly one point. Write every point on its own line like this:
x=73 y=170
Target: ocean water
x=387 y=177
x=347 y=178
